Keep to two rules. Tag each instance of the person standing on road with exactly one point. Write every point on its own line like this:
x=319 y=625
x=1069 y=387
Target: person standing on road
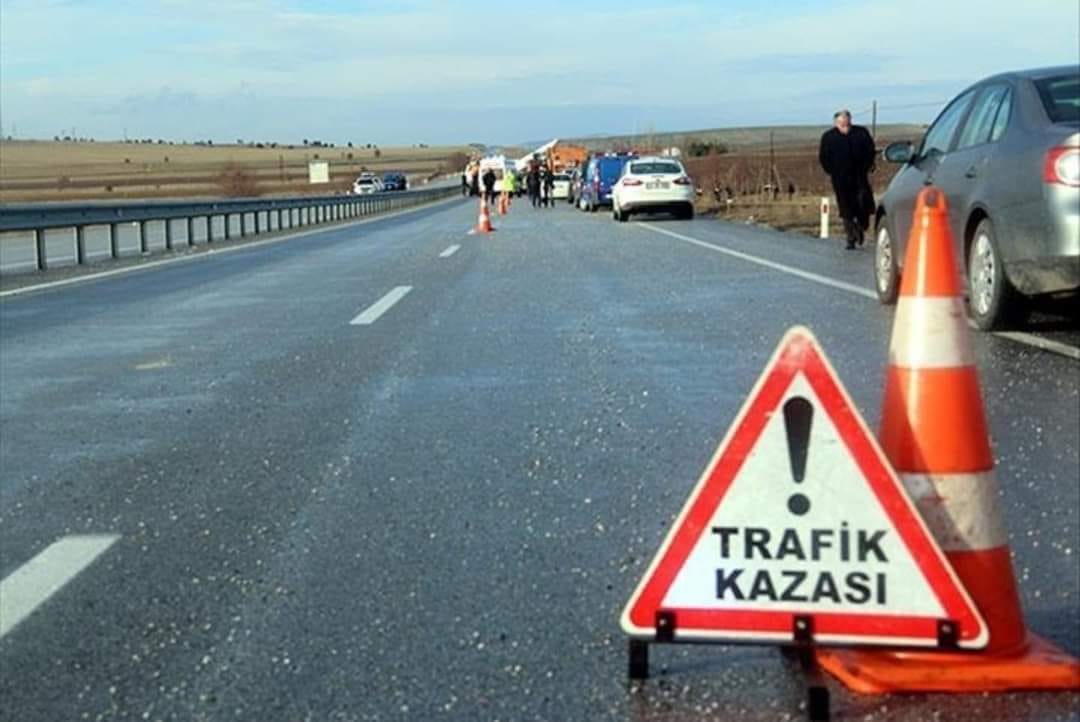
x=489 y=186
x=847 y=156
x=509 y=185
x=549 y=187
x=533 y=184
x=474 y=180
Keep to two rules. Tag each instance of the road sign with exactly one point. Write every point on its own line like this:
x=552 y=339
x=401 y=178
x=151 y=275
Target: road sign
x=800 y=530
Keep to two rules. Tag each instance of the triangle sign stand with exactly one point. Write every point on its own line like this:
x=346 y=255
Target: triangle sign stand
x=800 y=531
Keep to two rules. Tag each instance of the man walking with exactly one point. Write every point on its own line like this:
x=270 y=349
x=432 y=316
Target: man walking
x=847 y=155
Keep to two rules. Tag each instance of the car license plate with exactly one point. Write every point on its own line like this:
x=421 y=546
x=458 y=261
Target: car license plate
x=656 y=185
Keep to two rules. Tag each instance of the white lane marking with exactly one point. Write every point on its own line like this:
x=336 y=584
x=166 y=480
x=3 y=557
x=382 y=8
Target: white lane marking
x=153 y=365
x=1044 y=344
x=791 y=270
x=1027 y=339
x=29 y=586
x=377 y=309
x=450 y=251
x=212 y=252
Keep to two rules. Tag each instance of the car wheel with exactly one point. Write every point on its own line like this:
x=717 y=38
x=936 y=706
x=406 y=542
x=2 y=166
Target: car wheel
x=687 y=213
x=886 y=272
x=992 y=300
x=618 y=214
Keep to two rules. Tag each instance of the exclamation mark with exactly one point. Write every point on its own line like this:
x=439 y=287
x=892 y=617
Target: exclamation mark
x=798 y=416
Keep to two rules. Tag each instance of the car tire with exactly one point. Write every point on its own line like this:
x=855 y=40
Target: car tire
x=886 y=271
x=687 y=213
x=992 y=300
x=619 y=215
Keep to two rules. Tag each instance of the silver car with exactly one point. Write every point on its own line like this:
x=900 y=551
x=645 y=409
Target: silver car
x=1006 y=153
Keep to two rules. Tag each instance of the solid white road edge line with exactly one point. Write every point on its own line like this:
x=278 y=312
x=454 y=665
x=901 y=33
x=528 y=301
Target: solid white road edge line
x=212 y=252
x=791 y=270
x=377 y=309
x=29 y=586
x=450 y=251
x=1027 y=339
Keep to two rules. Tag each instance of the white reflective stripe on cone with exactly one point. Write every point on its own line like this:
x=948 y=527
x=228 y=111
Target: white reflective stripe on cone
x=961 y=510
x=931 y=332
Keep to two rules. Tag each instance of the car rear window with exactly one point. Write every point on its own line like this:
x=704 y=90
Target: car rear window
x=611 y=168
x=1061 y=98
x=648 y=168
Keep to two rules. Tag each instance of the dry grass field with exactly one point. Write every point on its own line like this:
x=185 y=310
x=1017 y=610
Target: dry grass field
x=59 y=171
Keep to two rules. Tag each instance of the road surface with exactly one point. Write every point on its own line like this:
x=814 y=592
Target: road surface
x=397 y=472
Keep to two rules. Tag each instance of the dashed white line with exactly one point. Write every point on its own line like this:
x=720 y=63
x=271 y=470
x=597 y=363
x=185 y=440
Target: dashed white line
x=371 y=314
x=450 y=251
x=29 y=586
x=1016 y=336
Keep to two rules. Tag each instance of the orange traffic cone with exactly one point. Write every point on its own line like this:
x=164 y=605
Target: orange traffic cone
x=934 y=431
x=483 y=223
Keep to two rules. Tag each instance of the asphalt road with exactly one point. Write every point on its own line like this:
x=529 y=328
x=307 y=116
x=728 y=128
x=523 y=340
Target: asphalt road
x=324 y=502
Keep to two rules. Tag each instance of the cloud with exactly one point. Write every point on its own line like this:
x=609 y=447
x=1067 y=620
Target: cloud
x=433 y=68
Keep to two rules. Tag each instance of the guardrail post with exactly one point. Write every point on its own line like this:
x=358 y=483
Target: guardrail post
x=80 y=245
x=257 y=216
x=114 y=242
x=209 y=228
x=228 y=225
x=243 y=223
x=39 y=249
x=168 y=234
x=142 y=238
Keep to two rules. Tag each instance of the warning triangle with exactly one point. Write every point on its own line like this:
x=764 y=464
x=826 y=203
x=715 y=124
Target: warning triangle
x=799 y=529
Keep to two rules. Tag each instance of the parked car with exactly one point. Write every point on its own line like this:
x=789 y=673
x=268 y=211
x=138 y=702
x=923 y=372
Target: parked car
x=395 y=182
x=653 y=184
x=599 y=176
x=560 y=191
x=1006 y=153
x=366 y=184
x=574 y=190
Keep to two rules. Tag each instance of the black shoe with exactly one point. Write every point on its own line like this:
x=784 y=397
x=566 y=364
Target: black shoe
x=850 y=246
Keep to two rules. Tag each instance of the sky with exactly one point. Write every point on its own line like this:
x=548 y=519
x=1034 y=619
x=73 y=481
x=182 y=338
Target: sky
x=436 y=71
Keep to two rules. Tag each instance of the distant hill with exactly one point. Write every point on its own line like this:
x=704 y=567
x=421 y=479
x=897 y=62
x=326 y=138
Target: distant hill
x=742 y=139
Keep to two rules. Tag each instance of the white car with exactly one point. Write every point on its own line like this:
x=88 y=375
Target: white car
x=560 y=191
x=366 y=185
x=653 y=184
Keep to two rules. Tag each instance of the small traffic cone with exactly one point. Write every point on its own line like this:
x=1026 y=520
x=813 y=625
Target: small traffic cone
x=483 y=223
x=934 y=431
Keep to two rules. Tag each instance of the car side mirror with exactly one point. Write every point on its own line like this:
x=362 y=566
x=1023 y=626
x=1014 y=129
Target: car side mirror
x=900 y=152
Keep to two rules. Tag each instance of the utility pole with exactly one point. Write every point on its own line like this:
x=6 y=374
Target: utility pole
x=873 y=120
x=772 y=166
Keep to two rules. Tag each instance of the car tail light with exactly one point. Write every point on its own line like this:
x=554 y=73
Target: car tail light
x=631 y=182
x=1063 y=166
x=683 y=181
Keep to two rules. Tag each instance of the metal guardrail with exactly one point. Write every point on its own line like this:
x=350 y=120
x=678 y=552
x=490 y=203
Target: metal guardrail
x=38 y=236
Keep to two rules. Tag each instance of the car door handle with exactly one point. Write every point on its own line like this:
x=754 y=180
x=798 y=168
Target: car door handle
x=971 y=172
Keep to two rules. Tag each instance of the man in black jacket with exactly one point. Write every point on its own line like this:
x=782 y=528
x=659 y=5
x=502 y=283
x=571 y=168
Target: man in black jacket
x=489 y=186
x=847 y=155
